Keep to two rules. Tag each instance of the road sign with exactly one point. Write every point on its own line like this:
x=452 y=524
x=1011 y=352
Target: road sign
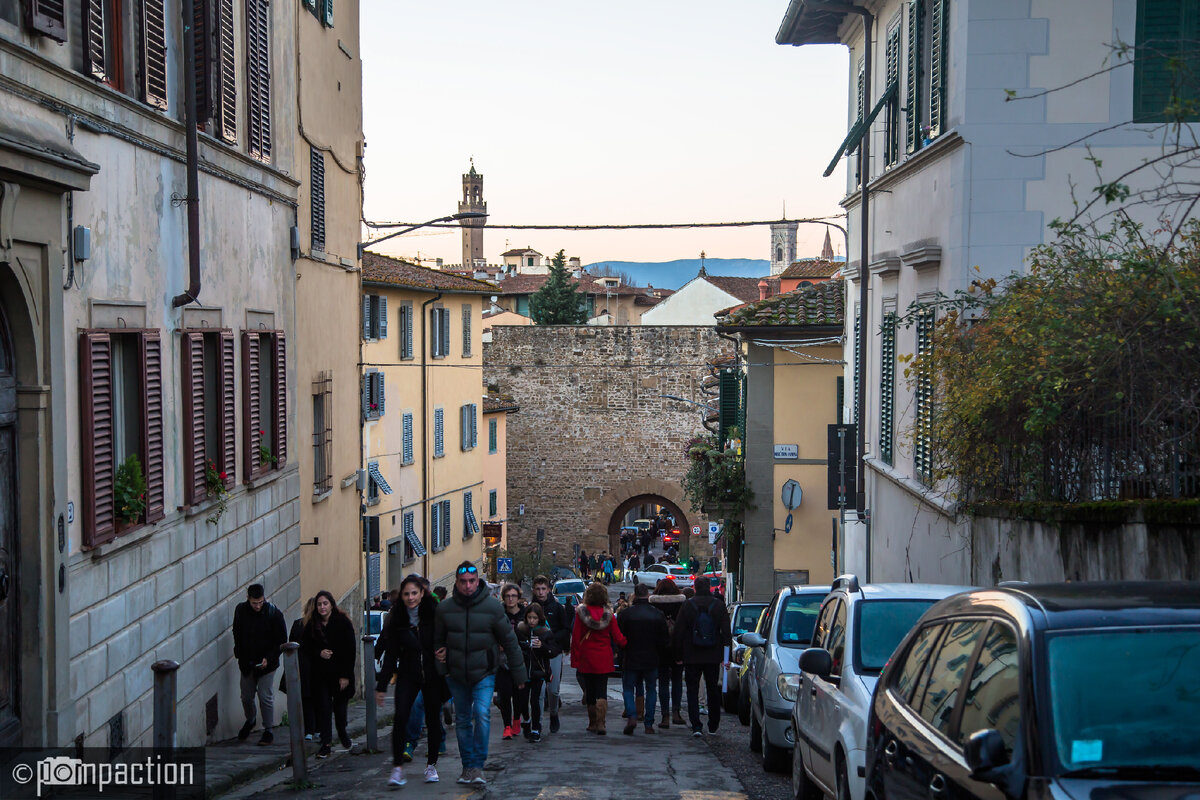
x=504 y=566
x=695 y=530
x=714 y=528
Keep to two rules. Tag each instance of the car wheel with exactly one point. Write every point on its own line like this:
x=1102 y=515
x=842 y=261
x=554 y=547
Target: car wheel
x=803 y=787
x=743 y=707
x=755 y=734
x=729 y=702
x=774 y=759
x=843 y=782
x=635 y=580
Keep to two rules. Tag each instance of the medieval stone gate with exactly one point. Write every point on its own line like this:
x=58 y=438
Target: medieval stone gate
x=594 y=435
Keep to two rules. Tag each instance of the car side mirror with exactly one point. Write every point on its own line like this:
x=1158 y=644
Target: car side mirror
x=752 y=639
x=985 y=752
x=817 y=661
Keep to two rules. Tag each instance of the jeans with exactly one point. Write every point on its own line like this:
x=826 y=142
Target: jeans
x=330 y=701
x=266 y=699
x=711 y=674
x=634 y=679
x=472 y=718
x=553 y=684
x=670 y=688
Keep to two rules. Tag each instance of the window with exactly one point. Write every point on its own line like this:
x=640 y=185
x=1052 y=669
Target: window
x=823 y=624
x=1165 y=70
x=927 y=64
x=373 y=394
x=908 y=676
x=439 y=525
x=493 y=503
x=406 y=330
x=466 y=330
x=258 y=78
x=470 y=523
x=216 y=68
x=857 y=363
x=121 y=416
x=993 y=697
x=439 y=332
x=406 y=445
x=322 y=399
x=322 y=10
x=9 y=11
x=887 y=387
x=797 y=616
x=469 y=434
x=376 y=484
x=316 y=172
x=522 y=306
x=880 y=626
x=837 y=638
x=46 y=17
x=936 y=700
x=109 y=33
x=493 y=435
x=412 y=543
x=923 y=419
x=439 y=430
x=264 y=402
x=208 y=412
x=374 y=317
x=860 y=105
x=891 y=139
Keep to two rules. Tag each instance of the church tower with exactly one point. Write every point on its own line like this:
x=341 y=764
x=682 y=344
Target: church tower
x=472 y=229
x=783 y=245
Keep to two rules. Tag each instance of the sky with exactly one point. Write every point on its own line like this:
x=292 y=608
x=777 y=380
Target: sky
x=614 y=112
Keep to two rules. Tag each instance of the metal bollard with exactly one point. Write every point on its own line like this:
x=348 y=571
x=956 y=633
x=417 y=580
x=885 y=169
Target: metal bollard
x=165 y=673
x=295 y=709
x=369 y=692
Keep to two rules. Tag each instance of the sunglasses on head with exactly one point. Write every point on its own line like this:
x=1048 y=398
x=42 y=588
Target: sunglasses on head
x=468 y=570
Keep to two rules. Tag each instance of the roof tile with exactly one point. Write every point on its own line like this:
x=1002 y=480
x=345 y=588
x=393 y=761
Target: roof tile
x=377 y=268
x=821 y=305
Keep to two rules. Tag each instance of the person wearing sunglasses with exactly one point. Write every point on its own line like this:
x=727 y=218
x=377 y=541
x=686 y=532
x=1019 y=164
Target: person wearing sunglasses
x=468 y=628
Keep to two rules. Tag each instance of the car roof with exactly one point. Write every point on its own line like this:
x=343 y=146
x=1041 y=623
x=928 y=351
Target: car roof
x=805 y=588
x=907 y=591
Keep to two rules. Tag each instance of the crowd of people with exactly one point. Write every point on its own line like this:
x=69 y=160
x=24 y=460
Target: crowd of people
x=467 y=650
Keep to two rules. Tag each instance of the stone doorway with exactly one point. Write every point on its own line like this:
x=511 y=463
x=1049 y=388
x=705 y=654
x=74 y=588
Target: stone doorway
x=10 y=612
x=619 y=514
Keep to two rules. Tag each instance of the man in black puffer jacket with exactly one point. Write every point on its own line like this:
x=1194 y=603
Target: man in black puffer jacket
x=702 y=641
x=645 y=629
x=560 y=621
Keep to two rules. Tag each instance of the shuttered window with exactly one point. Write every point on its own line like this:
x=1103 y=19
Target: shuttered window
x=373 y=391
x=439 y=333
x=406 y=447
x=469 y=432
x=96 y=18
x=927 y=82
x=1167 y=64
x=466 y=330
x=225 y=99
x=439 y=427
x=209 y=400
x=445 y=523
x=121 y=418
x=891 y=142
x=412 y=544
x=728 y=400
x=316 y=173
x=406 y=330
x=435 y=527
x=152 y=52
x=923 y=416
x=258 y=78
x=493 y=436
x=493 y=503
x=857 y=365
x=326 y=12
x=264 y=402
x=887 y=388
x=47 y=18
x=322 y=398
x=375 y=317
x=912 y=128
x=470 y=522
x=939 y=23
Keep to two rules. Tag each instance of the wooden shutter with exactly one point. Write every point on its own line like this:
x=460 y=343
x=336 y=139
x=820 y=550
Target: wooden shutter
x=258 y=78
x=445 y=523
x=1164 y=71
x=150 y=358
x=407 y=352
x=939 y=22
x=96 y=434
x=439 y=429
x=382 y=325
x=892 y=127
x=407 y=440
x=226 y=69
x=152 y=53
x=316 y=185
x=192 y=371
x=228 y=409
x=474 y=425
x=379 y=394
x=445 y=331
x=251 y=397
x=203 y=51
x=48 y=18
x=435 y=526
x=328 y=13
x=727 y=403
x=912 y=128
x=366 y=317
x=92 y=13
x=279 y=446
x=466 y=329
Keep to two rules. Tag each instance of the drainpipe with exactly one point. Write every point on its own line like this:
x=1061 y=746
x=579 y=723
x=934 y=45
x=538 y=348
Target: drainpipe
x=193 y=171
x=425 y=422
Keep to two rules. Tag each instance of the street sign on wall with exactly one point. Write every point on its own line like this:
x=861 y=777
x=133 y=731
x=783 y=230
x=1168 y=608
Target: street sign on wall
x=695 y=530
x=504 y=566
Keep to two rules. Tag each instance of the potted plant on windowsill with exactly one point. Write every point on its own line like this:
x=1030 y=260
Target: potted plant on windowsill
x=214 y=480
x=264 y=453
x=129 y=493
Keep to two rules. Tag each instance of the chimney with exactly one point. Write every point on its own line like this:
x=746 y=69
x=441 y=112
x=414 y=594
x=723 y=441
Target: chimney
x=764 y=289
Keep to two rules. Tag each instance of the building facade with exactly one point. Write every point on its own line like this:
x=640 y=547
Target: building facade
x=496 y=410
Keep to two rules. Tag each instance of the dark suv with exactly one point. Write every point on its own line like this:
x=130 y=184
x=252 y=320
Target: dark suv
x=1070 y=690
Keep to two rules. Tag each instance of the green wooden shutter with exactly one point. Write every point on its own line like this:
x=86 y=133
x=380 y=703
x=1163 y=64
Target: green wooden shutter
x=912 y=128
x=1164 y=72
x=857 y=362
x=727 y=403
x=887 y=387
x=939 y=33
x=328 y=13
x=923 y=416
x=892 y=135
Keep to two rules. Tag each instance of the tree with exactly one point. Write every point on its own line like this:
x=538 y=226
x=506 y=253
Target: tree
x=558 y=302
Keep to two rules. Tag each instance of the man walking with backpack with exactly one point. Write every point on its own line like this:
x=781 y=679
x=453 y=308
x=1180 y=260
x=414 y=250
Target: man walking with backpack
x=700 y=640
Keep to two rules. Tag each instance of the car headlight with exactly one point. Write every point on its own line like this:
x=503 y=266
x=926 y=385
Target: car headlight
x=789 y=686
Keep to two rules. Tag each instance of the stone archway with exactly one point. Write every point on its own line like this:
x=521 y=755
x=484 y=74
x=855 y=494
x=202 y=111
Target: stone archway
x=614 y=524
x=607 y=511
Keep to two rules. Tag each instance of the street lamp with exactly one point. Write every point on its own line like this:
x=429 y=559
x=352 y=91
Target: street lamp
x=452 y=218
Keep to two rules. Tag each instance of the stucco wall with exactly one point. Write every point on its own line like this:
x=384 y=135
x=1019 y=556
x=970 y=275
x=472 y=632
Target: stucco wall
x=694 y=304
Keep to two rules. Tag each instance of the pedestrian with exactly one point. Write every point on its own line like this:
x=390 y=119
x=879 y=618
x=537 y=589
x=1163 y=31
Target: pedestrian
x=537 y=647
x=583 y=565
x=559 y=620
x=307 y=706
x=592 y=565
x=649 y=558
x=606 y=567
x=259 y=631
x=634 y=563
x=701 y=639
x=592 y=638
x=509 y=699
x=622 y=604
x=328 y=645
x=408 y=655
x=439 y=593
x=649 y=640
x=468 y=628
x=669 y=600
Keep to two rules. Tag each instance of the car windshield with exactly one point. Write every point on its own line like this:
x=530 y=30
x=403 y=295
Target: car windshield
x=796 y=619
x=746 y=618
x=1125 y=699
x=881 y=626
x=568 y=587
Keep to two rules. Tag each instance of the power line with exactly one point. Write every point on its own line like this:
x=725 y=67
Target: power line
x=641 y=226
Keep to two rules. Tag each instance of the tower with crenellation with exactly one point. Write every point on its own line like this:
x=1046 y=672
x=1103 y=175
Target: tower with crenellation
x=472 y=229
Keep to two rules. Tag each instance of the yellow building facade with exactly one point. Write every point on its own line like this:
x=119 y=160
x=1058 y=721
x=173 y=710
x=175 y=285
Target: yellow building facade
x=495 y=474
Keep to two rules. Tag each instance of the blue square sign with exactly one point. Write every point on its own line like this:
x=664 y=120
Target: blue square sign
x=504 y=566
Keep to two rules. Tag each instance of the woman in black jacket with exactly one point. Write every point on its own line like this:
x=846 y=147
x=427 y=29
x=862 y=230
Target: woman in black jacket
x=306 y=694
x=668 y=599
x=511 y=700
x=328 y=646
x=537 y=647
x=407 y=642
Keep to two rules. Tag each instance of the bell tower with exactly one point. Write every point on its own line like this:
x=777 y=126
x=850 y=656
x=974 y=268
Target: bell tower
x=783 y=245
x=472 y=229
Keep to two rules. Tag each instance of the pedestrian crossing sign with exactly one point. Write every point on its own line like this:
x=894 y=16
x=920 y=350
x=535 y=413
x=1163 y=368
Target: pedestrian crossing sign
x=504 y=566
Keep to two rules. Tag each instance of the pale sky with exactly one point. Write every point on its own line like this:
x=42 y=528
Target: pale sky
x=609 y=112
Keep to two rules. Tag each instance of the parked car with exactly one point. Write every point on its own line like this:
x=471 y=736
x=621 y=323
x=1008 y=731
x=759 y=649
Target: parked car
x=858 y=628
x=670 y=536
x=773 y=678
x=743 y=617
x=560 y=572
x=569 y=592
x=656 y=572
x=1070 y=690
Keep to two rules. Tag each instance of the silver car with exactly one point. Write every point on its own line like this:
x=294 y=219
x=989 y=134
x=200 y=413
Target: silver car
x=773 y=677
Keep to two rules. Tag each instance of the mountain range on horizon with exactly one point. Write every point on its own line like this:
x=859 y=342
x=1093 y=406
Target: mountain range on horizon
x=674 y=274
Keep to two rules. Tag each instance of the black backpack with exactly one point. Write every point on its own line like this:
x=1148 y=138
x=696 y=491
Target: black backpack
x=704 y=630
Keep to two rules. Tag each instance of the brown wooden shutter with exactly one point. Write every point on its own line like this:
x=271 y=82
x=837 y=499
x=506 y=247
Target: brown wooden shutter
x=204 y=52
x=195 y=477
x=92 y=12
x=153 y=53
x=226 y=74
x=228 y=410
x=251 y=397
x=258 y=63
x=279 y=449
x=96 y=434
x=48 y=18
x=150 y=356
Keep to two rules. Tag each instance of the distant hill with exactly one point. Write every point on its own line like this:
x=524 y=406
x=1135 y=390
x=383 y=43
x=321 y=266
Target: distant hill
x=673 y=274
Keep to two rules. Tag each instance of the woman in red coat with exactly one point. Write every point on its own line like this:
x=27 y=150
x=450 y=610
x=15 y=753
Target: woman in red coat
x=592 y=638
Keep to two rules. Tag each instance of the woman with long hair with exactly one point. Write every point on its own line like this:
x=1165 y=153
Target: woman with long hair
x=592 y=638
x=307 y=705
x=668 y=599
x=408 y=654
x=537 y=647
x=509 y=698
x=329 y=647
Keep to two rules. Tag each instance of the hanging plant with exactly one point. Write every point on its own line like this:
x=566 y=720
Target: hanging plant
x=214 y=479
x=716 y=478
x=129 y=491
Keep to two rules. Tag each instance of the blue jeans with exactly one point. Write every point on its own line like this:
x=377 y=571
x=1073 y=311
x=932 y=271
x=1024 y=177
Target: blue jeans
x=472 y=719
x=632 y=680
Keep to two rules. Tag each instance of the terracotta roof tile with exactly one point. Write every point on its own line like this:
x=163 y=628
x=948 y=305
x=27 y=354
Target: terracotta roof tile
x=819 y=305
x=528 y=284
x=744 y=289
x=499 y=402
x=382 y=269
x=519 y=252
x=811 y=268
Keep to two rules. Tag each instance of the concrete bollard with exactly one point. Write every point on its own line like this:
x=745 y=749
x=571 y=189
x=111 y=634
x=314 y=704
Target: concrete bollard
x=295 y=710
x=165 y=673
x=369 y=693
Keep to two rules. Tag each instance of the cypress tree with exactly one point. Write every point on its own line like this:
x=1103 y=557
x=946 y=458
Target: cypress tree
x=558 y=302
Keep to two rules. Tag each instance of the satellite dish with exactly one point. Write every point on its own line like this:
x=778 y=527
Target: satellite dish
x=791 y=495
